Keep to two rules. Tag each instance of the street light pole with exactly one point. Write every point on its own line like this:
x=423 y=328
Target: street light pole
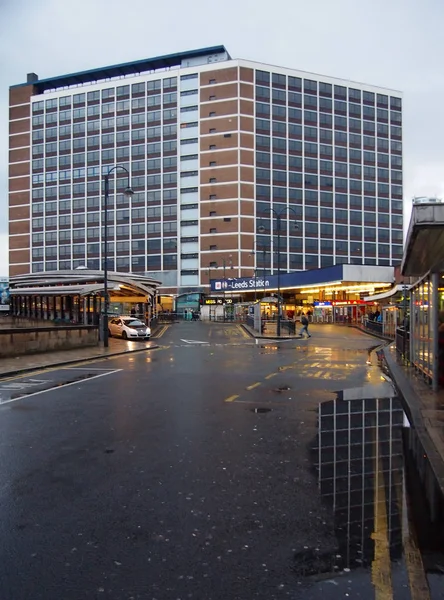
x=128 y=192
x=278 y=215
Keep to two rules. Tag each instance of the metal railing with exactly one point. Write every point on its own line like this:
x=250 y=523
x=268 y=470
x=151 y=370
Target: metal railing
x=403 y=343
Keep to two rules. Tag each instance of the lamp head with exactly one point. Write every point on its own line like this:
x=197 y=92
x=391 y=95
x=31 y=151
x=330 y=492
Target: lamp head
x=261 y=229
x=128 y=192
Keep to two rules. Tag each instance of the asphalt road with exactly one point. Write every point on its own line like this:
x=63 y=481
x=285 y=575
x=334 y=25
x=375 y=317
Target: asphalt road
x=202 y=469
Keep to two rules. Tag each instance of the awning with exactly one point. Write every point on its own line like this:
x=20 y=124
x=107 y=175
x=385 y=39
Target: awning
x=397 y=289
x=424 y=249
x=82 y=282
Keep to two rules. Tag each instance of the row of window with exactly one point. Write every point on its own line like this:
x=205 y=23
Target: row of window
x=310 y=86
x=282 y=129
x=277 y=144
x=281 y=161
x=38 y=135
x=138 y=150
x=106 y=122
x=325 y=107
x=109 y=93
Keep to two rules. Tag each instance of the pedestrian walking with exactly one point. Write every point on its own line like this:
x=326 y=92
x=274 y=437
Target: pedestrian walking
x=304 y=328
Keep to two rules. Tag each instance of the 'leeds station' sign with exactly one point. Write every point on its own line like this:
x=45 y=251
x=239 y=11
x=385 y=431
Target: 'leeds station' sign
x=241 y=284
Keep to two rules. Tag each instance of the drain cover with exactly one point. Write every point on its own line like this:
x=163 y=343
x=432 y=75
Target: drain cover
x=261 y=410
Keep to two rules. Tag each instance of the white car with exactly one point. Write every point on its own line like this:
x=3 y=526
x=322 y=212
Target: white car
x=129 y=328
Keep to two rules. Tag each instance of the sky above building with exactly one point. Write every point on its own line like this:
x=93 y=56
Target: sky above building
x=397 y=44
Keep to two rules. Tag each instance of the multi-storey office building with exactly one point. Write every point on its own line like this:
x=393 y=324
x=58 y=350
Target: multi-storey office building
x=211 y=145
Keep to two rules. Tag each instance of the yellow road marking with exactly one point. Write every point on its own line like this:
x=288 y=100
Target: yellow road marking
x=317 y=374
x=231 y=398
x=254 y=385
x=161 y=332
x=381 y=565
x=243 y=332
x=271 y=375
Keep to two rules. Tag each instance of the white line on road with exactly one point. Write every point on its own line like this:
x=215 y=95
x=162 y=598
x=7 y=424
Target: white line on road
x=193 y=342
x=58 y=386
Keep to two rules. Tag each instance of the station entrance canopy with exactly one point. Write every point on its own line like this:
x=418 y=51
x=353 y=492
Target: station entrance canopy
x=424 y=250
x=83 y=282
x=358 y=278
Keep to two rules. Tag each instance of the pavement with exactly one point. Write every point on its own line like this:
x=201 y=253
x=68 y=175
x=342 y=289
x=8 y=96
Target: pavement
x=33 y=362
x=214 y=466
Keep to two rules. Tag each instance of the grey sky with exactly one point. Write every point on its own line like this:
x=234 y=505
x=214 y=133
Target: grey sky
x=392 y=43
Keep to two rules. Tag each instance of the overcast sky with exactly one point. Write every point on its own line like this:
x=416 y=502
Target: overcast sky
x=392 y=43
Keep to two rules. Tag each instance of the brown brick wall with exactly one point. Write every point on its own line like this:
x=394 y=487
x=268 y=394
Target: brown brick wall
x=20 y=95
x=220 y=75
x=247 y=207
x=19 y=270
x=247 y=225
x=228 y=157
x=247 y=174
x=223 y=242
x=246 y=107
x=246 y=140
x=19 y=126
x=19 y=183
x=17 y=242
x=18 y=212
x=226 y=107
x=223 y=209
x=218 y=140
x=19 y=169
x=222 y=191
x=220 y=225
x=247 y=157
x=246 y=91
x=220 y=125
x=222 y=175
x=19 y=198
x=18 y=256
x=246 y=74
x=229 y=90
x=19 y=112
x=17 y=141
x=247 y=190
x=19 y=227
x=19 y=155
x=247 y=124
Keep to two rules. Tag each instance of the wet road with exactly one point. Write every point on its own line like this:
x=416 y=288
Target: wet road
x=214 y=467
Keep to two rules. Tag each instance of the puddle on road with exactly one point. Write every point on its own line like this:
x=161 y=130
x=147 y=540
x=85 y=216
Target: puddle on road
x=388 y=514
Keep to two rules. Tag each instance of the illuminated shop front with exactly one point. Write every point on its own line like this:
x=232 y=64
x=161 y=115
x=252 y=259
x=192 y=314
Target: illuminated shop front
x=331 y=295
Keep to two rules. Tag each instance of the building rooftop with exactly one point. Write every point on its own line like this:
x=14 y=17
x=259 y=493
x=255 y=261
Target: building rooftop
x=121 y=70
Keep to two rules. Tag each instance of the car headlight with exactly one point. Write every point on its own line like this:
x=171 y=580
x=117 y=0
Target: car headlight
x=148 y=331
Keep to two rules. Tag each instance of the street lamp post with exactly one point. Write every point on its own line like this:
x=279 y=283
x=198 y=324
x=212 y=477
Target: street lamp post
x=254 y=252
x=261 y=229
x=128 y=192
x=225 y=282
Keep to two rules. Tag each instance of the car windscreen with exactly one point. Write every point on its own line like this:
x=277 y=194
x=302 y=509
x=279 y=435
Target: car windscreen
x=133 y=323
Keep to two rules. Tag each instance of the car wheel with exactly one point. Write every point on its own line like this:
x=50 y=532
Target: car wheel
x=124 y=335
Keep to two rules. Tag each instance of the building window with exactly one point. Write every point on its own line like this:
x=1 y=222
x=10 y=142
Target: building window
x=213 y=230
x=212 y=114
x=211 y=81
x=212 y=147
x=213 y=247
x=212 y=130
x=212 y=163
x=213 y=180
x=212 y=212
x=213 y=196
x=212 y=97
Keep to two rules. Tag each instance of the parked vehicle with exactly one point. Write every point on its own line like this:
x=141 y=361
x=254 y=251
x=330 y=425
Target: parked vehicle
x=128 y=328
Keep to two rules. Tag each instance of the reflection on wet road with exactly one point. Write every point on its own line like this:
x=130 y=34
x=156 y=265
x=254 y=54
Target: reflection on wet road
x=216 y=468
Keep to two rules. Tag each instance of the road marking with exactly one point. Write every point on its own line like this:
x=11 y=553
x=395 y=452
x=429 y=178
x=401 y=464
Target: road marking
x=58 y=386
x=271 y=375
x=381 y=565
x=231 y=398
x=243 y=332
x=194 y=342
x=161 y=332
x=317 y=374
x=254 y=385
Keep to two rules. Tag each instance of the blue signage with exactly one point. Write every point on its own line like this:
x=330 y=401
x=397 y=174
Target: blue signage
x=288 y=280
